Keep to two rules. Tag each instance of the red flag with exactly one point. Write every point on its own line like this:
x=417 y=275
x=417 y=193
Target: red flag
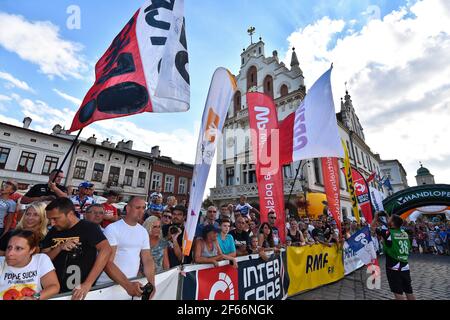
x=371 y=177
x=264 y=124
x=144 y=69
x=330 y=170
x=362 y=194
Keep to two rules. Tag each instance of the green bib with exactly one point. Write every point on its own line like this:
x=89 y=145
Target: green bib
x=400 y=245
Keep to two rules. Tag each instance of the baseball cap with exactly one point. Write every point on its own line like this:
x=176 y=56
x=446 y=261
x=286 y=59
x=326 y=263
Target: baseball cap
x=86 y=185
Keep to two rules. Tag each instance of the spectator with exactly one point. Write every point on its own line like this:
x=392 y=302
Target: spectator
x=353 y=227
x=111 y=215
x=157 y=193
x=16 y=197
x=241 y=237
x=226 y=241
x=171 y=203
x=90 y=191
x=95 y=214
x=7 y=207
x=440 y=240
x=253 y=247
x=244 y=208
x=155 y=208
x=294 y=233
x=158 y=245
x=210 y=220
x=265 y=237
x=184 y=203
x=33 y=220
x=175 y=231
x=166 y=217
x=276 y=234
x=254 y=228
x=82 y=200
x=207 y=249
x=21 y=259
x=130 y=246
x=78 y=248
x=319 y=236
x=47 y=191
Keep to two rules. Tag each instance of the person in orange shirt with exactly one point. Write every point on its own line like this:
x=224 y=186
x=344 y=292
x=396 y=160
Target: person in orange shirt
x=111 y=214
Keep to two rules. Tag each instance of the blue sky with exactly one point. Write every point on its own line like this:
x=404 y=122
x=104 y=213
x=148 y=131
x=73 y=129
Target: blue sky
x=216 y=32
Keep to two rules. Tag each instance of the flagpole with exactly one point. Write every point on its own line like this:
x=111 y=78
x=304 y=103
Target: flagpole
x=296 y=175
x=67 y=154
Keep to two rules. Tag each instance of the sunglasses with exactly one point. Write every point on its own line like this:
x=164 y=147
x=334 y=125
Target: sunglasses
x=168 y=217
x=156 y=227
x=272 y=218
x=213 y=211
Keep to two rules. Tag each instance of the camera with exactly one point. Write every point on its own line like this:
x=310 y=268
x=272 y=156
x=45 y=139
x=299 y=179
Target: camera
x=76 y=252
x=382 y=217
x=173 y=230
x=147 y=291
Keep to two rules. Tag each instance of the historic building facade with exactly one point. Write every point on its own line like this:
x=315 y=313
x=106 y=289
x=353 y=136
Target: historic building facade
x=394 y=171
x=28 y=156
x=235 y=166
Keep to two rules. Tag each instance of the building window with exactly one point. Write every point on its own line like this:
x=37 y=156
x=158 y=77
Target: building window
x=249 y=173
x=50 y=164
x=168 y=183
x=349 y=150
x=156 y=180
x=141 y=179
x=284 y=91
x=113 y=179
x=357 y=155
x=237 y=102
x=26 y=162
x=230 y=176
x=252 y=77
x=318 y=171
x=363 y=159
x=4 y=154
x=97 y=175
x=287 y=172
x=80 y=169
x=268 y=86
x=182 y=186
x=128 y=181
x=369 y=163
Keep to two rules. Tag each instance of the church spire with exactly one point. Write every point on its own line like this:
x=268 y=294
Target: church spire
x=294 y=59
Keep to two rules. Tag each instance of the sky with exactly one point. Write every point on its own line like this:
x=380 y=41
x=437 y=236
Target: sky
x=393 y=54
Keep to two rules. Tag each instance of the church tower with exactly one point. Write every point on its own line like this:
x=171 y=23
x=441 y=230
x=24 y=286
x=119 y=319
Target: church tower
x=424 y=176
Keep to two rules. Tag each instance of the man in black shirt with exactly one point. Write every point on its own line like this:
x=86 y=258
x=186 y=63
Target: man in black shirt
x=241 y=237
x=46 y=191
x=77 y=248
x=319 y=235
x=176 y=228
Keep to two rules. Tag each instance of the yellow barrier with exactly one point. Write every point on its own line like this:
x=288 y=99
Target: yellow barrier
x=313 y=266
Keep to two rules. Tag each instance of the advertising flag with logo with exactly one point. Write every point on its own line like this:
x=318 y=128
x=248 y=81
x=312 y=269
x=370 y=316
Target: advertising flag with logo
x=362 y=194
x=263 y=119
x=377 y=199
x=221 y=92
x=144 y=70
x=361 y=243
x=312 y=131
x=349 y=177
x=330 y=170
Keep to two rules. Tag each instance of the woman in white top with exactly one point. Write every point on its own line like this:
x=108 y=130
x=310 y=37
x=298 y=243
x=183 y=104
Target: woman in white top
x=25 y=275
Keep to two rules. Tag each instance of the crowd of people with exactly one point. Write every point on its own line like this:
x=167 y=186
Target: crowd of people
x=69 y=243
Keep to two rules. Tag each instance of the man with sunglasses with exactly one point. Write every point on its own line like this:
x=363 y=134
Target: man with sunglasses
x=276 y=234
x=241 y=237
x=210 y=219
x=174 y=233
x=166 y=218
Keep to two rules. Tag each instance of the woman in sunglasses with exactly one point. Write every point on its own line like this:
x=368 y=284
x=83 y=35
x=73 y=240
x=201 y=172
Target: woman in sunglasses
x=158 y=245
x=166 y=218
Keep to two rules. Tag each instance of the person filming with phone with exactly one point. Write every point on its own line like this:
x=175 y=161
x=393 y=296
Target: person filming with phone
x=397 y=247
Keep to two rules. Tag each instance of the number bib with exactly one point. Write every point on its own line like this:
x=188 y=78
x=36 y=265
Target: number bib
x=400 y=245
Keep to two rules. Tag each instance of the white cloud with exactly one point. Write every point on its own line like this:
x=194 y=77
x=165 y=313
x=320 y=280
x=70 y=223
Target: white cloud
x=399 y=78
x=11 y=121
x=74 y=100
x=39 y=42
x=5 y=98
x=14 y=82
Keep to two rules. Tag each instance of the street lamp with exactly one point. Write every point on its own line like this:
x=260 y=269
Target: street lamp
x=302 y=177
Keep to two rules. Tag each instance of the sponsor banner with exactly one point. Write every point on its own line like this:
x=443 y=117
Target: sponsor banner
x=312 y=132
x=349 y=177
x=145 y=69
x=351 y=260
x=166 y=289
x=377 y=199
x=263 y=119
x=362 y=194
x=221 y=91
x=362 y=245
x=312 y=266
x=330 y=170
x=254 y=279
